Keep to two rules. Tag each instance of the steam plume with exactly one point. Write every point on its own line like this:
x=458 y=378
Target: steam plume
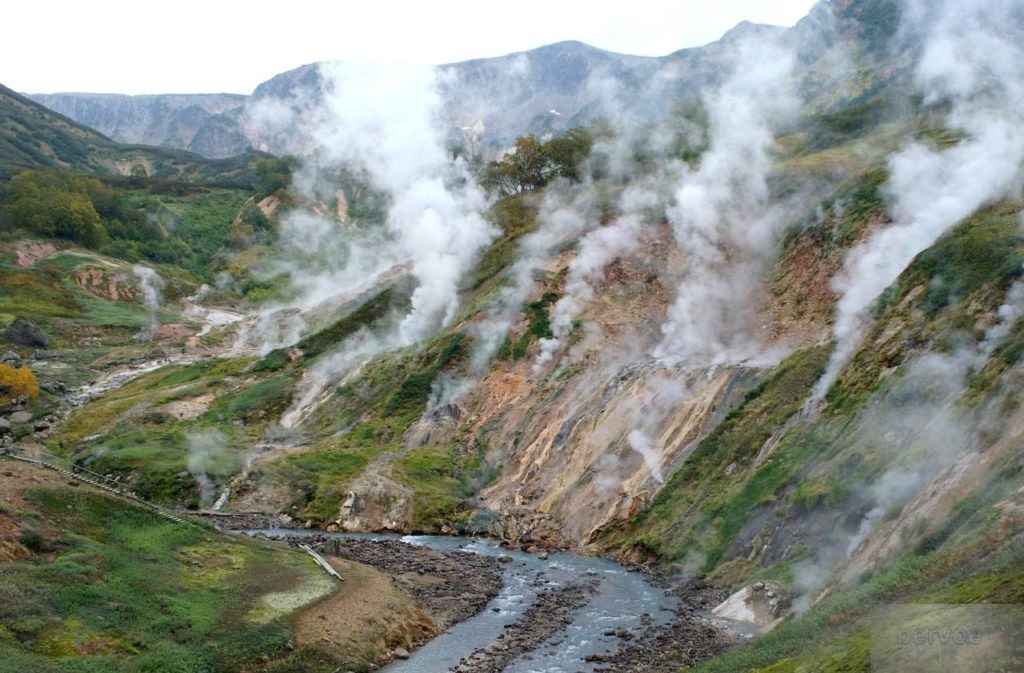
x=721 y=215
x=206 y=450
x=970 y=64
x=382 y=122
x=151 y=285
x=596 y=250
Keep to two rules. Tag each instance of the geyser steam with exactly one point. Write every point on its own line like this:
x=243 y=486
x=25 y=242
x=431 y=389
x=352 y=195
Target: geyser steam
x=151 y=285
x=722 y=218
x=382 y=122
x=971 y=64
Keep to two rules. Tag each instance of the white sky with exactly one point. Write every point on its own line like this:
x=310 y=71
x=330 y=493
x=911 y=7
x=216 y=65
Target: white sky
x=186 y=46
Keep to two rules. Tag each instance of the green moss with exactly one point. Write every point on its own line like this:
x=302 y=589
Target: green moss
x=539 y=327
x=825 y=491
x=206 y=370
x=442 y=480
x=271 y=362
x=317 y=478
x=986 y=247
x=843 y=216
x=154 y=460
x=515 y=217
x=966 y=272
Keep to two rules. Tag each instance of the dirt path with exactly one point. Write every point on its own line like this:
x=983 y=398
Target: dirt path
x=368 y=610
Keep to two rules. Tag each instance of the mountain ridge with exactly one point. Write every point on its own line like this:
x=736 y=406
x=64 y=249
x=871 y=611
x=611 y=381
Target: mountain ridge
x=215 y=126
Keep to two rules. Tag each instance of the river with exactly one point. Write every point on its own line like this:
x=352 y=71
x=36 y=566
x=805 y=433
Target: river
x=624 y=601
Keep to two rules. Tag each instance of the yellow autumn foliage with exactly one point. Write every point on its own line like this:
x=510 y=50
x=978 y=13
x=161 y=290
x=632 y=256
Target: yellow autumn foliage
x=17 y=381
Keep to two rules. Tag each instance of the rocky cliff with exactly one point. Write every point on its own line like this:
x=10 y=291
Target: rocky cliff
x=207 y=124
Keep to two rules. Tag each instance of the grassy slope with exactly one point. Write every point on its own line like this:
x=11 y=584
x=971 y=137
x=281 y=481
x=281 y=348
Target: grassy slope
x=47 y=295
x=706 y=516
x=374 y=410
x=31 y=136
x=100 y=586
x=130 y=435
x=976 y=556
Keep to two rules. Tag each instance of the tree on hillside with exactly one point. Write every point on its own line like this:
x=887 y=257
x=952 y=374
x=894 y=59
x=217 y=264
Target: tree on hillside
x=531 y=164
x=274 y=174
x=54 y=204
x=568 y=151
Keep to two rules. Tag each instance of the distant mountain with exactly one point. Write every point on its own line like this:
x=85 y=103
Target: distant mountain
x=203 y=123
x=547 y=89
x=33 y=136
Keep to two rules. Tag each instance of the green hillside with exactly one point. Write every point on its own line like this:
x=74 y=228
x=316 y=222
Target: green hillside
x=31 y=136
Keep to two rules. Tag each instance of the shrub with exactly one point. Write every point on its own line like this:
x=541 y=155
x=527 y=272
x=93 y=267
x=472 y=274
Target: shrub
x=17 y=381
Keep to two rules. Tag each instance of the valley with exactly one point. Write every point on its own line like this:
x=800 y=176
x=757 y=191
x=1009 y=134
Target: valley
x=708 y=371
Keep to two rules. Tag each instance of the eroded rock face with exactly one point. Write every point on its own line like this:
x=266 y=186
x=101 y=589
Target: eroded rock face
x=375 y=502
x=112 y=285
x=435 y=426
x=27 y=253
x=569 y=455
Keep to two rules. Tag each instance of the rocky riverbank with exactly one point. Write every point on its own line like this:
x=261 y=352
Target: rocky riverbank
x=451 y=586
x=549 y=615
x=690 y=637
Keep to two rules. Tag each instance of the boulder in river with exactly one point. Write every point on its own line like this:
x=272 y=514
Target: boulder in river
x=26 y=334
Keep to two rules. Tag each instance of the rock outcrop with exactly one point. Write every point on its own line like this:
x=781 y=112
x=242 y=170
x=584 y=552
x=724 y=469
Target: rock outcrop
x=24 y=333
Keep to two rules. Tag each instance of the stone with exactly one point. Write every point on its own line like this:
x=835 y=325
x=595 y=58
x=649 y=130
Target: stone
x=20 y=417
x=26 y=334
x=42 y=425
x=54 y=387
x=5 y=426
x=401 y=653
x=11 y=358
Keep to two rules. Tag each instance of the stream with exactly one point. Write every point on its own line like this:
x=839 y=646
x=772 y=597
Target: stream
x=624 y=601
